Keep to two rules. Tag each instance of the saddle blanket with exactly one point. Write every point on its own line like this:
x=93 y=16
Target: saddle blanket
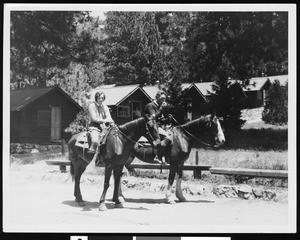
x=82 y=141
x=182 y=143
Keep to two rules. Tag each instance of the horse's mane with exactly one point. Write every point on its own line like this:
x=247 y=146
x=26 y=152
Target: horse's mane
x=199 y=122
x=128 y=127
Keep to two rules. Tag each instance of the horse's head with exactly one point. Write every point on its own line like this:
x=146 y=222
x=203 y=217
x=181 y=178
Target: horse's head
x=152 y=131
x=216 y=130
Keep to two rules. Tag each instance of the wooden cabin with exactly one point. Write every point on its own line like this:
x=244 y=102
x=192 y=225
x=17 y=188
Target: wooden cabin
x=206 y=88
x=40 y=115
x=255 y=90
x=198 y=101
x=126 y=103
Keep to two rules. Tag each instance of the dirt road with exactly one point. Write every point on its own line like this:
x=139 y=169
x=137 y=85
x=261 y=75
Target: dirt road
x=38 y=203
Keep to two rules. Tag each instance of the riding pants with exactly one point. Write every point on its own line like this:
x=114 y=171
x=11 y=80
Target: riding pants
x=166 y=140
x=95 y=134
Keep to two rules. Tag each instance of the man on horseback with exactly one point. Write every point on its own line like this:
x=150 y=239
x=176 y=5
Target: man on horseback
x=99 y=119
x=156 y=109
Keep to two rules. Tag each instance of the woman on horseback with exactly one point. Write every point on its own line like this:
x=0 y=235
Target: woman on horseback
x=99 y=117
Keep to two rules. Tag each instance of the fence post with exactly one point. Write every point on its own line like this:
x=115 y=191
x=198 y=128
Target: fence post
x=63 y=168
x=63 y=147
x=197 y=173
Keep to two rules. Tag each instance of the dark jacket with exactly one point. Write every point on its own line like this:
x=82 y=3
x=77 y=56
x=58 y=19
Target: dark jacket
x=152 y=109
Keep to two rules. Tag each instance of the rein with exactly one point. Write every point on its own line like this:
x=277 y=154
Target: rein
x=128 y=138
x=147 y=133
x=191 y=135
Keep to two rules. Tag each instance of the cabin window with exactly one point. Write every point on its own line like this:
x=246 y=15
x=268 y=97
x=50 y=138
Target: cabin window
x=43 y=118
x=123 y=111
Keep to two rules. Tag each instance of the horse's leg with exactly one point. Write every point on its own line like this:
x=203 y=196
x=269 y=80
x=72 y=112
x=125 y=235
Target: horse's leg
x=170 y=183
x=121 y=197
x=79 y=168
x=127 y=165
x=117 y=176
x=178 y=192
x=108 y=170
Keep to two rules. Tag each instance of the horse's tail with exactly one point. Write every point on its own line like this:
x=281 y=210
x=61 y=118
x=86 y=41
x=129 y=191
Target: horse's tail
x=72 y=165
x=72 y=171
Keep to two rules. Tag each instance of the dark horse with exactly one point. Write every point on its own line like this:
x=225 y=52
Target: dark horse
x=184 y=136
x=114 y=154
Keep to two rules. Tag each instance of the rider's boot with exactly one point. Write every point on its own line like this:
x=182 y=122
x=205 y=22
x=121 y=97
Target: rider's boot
x=159 y=158
x=92 y=149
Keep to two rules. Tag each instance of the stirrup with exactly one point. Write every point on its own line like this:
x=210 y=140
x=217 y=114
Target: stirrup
x=164 y=162
x=91 y=151
x=157 y=160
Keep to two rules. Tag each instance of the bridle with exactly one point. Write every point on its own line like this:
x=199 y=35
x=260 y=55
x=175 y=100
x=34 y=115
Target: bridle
x=191 y=135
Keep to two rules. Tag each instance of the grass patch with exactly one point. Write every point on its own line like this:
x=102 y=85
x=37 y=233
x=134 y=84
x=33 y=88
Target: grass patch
x=263 y=139
x=240 y=158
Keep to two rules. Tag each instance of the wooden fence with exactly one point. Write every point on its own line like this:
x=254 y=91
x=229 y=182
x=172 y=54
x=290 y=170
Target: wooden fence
x=251 y=172
x=197 y=169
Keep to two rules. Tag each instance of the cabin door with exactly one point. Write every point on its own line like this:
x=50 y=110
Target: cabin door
x=136 y=109
x=55 y=123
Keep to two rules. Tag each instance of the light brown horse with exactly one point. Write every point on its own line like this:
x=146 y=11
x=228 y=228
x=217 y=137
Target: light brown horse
x=184 y=136
x=114 y=154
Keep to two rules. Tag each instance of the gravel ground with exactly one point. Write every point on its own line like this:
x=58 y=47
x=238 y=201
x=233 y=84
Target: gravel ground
x=40 y=199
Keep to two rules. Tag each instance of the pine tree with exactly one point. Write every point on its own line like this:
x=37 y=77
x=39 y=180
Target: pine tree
x=254 y=42
x=276 y=107
x=178 y=104
x=41 y=40
x=226 y=103
x=132 y=49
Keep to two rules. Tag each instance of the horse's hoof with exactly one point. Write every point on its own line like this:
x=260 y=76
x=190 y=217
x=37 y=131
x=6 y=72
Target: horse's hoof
x=102 y=207
x=170 y=201
x=182 y=199
x=119 y=205
x=121 y=200
x=81 y=203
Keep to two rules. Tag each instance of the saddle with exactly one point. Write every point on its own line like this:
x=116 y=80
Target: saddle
x=171 y=132
x=84 y=140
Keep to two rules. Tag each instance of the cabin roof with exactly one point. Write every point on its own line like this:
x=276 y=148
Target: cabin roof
x=205 y=87
x=152 y=90
x=283 y=79
x=255 y=84
x=23 y=98
x=116 y=94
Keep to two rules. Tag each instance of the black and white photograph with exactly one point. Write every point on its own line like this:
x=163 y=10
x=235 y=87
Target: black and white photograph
x=149 y=118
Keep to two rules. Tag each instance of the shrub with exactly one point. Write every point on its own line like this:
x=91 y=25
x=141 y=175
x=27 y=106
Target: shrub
x=227 y=104
x=276 y=108
x=178 y=105
x=79 y=124
x=81 y=121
